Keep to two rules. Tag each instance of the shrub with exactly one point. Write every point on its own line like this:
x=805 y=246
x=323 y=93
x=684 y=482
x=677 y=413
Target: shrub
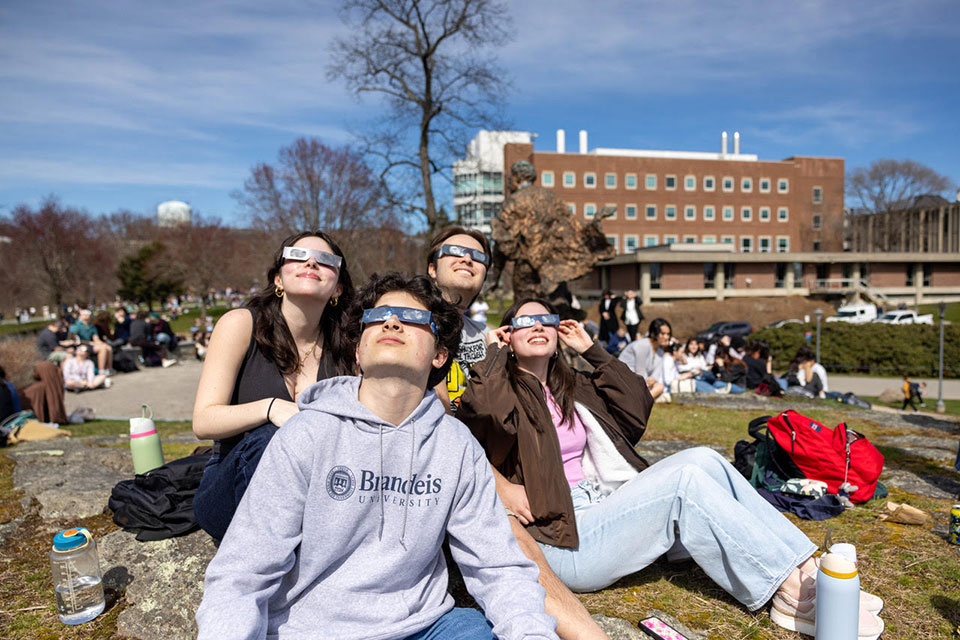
x=18 y=357
x=880 y=349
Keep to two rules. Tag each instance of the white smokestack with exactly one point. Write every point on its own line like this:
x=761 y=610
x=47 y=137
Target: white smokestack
x=723 y=143
x=561 y=141
x=736 y=143
x=583 y=140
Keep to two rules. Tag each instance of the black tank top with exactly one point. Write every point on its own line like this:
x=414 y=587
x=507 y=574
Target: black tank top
x=260 y=378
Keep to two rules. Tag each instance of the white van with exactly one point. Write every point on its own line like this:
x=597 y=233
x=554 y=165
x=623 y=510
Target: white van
x=859 y=313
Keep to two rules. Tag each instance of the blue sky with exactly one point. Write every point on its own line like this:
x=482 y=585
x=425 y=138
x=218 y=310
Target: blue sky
x=121 y=105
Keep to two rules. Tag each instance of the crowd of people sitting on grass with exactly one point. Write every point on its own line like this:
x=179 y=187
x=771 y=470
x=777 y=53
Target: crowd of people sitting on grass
x=357 y=430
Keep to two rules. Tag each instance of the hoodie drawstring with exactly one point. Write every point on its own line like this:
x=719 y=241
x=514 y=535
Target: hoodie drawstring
x=413 y=442
x=380 y=482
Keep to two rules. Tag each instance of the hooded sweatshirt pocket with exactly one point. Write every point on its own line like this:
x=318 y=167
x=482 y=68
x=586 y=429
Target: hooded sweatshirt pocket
x=345 y=613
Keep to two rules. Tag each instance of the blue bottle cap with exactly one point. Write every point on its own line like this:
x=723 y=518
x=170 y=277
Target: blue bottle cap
x=70 y=539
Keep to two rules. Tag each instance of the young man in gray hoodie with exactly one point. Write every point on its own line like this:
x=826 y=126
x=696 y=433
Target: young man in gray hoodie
x=339 y=532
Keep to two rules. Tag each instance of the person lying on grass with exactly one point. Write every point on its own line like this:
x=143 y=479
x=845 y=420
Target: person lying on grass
x=339 y=533
x=565 y=441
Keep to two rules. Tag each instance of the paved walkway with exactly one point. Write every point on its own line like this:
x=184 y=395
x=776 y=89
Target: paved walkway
x=169 y=392
x=873 y=386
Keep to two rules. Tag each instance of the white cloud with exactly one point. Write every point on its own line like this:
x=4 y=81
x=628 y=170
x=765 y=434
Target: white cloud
x=16 y=170
x=844 y=122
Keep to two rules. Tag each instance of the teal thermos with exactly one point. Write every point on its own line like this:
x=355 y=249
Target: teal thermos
x=145 y=443
x=838 y=598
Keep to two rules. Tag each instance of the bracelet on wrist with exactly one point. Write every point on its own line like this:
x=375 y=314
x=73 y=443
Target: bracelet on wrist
x=270 y=406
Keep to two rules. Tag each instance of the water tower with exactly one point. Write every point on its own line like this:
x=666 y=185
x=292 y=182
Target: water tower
x=173 y=213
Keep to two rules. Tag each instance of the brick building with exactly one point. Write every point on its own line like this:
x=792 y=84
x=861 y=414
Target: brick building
x=665 y=197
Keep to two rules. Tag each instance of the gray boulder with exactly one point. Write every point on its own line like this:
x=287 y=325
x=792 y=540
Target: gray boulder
x=163 y=582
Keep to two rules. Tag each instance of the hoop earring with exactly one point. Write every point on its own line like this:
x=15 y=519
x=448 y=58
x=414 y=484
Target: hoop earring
x=278 y=292
x=333 y=301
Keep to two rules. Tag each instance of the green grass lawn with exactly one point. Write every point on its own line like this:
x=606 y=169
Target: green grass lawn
x=186 y=319
x=27 y=328
x=913 y=568
x=950 y=314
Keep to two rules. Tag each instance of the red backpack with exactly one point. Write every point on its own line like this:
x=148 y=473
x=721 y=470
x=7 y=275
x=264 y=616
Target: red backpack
x=833 y=456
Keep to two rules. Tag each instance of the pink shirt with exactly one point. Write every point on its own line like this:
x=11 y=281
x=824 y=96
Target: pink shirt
x=573 y=439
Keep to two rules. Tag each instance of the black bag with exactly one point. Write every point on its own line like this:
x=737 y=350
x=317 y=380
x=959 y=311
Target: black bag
x=159 y=504
x=124 y=362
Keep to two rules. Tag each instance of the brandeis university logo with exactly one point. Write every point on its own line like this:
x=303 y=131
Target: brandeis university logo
x=341 y=483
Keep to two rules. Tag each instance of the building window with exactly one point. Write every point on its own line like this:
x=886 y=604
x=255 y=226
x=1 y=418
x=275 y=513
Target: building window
x=926 y=273
x=465 y=184
x=910 y=267
x=729 y=275
x=709 y=239
x=572 y=207
x=728 y=213
x=546 y=178
x=726 y=239
x=656 y=272
x=651 y=241
x=780 y=275
x=709 y=274
x=816 y=222
x=782 y=214
x=783 y=244
x=764 y=244
x=709 y=183
x=783 y=185
x=630 y=181
x=690 y=183
x=746 y=185
x=746 y=244
x=764 y=214
x=631 y=210
x=589 y=210
x=817 y=195
x=764 y=185
x=670 y=212
x=727 y=183
x=689 y=239
x=569 y=179
x=689 y=212
x=670 y=183
x=746 y=214
x=669 y=239
x=650 y=212
x=610 y=180
x=590 y=180
x=614 y=240
x=816 y=245
x=612 y=207
x=651 y=181
x=630 y=243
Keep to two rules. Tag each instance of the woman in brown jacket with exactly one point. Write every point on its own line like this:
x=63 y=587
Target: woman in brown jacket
x=561 y=442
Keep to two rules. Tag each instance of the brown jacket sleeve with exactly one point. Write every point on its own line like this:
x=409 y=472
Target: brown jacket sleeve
x=488 y=405
x=625 y=393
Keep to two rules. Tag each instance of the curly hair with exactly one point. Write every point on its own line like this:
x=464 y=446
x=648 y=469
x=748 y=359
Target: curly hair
x=271 y=331
x=445 y=315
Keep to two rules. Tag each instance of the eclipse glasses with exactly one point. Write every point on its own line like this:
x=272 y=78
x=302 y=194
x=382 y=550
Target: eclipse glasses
x=322 y=257
x=456 y=250
x=406 y=315
x=545 y=319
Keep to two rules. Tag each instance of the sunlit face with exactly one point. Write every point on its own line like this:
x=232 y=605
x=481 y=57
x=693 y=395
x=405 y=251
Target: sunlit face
x=537 y=341
x=392 y=344
x=663 y=338
x=693 y=347
x=459 y=273
x=85 y=316
x=309 y=278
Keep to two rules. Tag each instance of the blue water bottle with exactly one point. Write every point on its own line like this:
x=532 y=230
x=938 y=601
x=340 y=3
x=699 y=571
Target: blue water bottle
x=838 y=598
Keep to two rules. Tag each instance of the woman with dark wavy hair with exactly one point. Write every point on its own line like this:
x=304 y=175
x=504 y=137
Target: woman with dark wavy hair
x=564 y=441
x=261 y=357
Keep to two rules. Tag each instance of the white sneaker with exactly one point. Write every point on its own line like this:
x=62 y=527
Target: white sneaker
x=168 y=363
x=107 y=383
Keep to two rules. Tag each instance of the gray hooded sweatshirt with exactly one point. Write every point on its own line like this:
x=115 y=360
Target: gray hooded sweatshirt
x=339 y=533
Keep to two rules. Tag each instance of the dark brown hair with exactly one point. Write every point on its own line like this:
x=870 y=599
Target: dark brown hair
x=446 y=316
x=560 y=377
x=272 y=333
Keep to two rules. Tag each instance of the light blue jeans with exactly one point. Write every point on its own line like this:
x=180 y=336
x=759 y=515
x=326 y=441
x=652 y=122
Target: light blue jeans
x=697 y=498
